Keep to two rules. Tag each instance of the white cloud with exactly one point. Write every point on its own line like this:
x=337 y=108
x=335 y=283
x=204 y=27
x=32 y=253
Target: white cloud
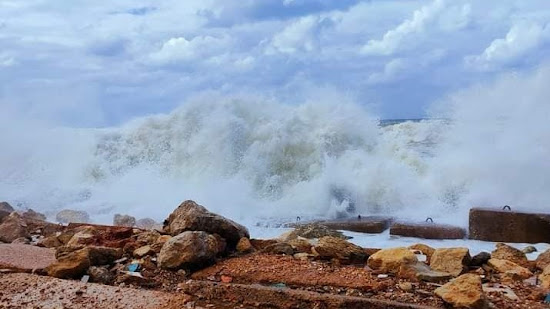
x=438 y=15
x=522 y=38
x=180 y=49
x=7 y=60
x=401 y=68
x=301 y=35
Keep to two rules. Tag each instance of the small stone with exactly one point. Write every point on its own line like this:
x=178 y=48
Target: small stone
x=302 y=256
x=244 y=246
x=479 y=259
x=529 y=249
x=391 y=260
x=505 y=252
x=124 y=220
x=421 y=271
x=100 y=274
x=226 y=279
x=406 y=286
x=509 y=269
x=50 y=242
x=465 y=291
x=143 y=251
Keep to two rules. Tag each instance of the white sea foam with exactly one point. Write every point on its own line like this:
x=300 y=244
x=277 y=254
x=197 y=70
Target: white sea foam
x=258 y=160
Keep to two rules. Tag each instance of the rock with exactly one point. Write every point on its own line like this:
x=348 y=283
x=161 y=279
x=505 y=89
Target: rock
x=279 y=248
x=391 y=260
x=147 y=224
x=190 y=216
x=124 y=220
x=405 y=286
x=509 y=226
x=260 y=244
x=426 y=250
x=303 y=256
x=421 y=271
x=479 y=259
x=544 y=278
x=13 y=227
x=5 y=210
x=465 y=291
x=21 y=241
x=85 y=236
x=33 y=215
x=529 y=249
x=301 y=244
x=336 y=248
x=543 y=260
x=143 y=251
x=157 y=246
x=72 y=265
x=50 y=242
x=509 y=270
x=371 y=224
x=148 y=237
x=244 y=245
x=100 y=274
x=505 y=252
x=190 y=249
x=226 y=279
x=454 y=261
x=69 y=215
x=312 y=230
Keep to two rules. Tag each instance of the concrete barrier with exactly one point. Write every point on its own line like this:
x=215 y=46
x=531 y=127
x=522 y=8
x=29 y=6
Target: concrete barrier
x=427 y=230
x=370 y=224
x=509 y=226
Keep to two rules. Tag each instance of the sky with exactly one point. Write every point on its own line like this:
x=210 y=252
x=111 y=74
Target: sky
x=87 y=63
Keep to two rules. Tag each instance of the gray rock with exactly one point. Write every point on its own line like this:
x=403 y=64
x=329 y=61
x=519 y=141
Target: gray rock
x=69 y=215
x=124 y=220
x=190 y=216
x=480 y=259
x=190 y=249
x=100 y=274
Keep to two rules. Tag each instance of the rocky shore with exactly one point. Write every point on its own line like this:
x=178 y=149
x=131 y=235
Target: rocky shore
x=198 y=259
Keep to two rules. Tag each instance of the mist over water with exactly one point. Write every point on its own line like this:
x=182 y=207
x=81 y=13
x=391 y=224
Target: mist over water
x=255 y=160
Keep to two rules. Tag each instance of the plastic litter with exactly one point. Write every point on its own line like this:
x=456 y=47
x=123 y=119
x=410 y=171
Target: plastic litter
x=547 y=299
x=85 y=279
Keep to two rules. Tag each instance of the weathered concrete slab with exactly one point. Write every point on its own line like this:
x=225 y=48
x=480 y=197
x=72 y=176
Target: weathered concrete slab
x=509 y=226
x=25 y=258
x=32 y=291
x=370 y=224
x=427 y=230
x=283 y=298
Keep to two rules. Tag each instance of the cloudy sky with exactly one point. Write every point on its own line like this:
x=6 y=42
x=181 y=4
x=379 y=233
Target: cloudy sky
x=100 y=63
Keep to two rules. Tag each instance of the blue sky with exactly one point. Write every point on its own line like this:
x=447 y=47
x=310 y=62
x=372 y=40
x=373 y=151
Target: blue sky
x=100 y=63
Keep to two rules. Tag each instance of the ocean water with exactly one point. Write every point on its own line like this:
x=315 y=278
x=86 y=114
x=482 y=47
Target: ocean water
x=263 y=162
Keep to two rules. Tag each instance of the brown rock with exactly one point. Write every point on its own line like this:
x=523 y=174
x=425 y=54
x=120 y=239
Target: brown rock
x=543 y=260
x=149 y=237
x=69 y=215
x=406 y=286
x=336 y=248
x=371 y=225
x=421 y=271
x=190 y=249
x=509 y=226
x=301 y=244
x=545 y=278
x=190 y=216
x=33 y=215
x=505 y=252
x=124 y=220
x=143 y=251
x=5 y=210
x=279 y=248
x=454 y=261
x=425 y=249
x=260 y=244
x=391 y=260
x=13 y=227
x=72 y=265
x=50 y=242
x=312 y=230
x=21 y=241
x=85 y=236
x=465 y=291
x=509 y=269
x=244 y=245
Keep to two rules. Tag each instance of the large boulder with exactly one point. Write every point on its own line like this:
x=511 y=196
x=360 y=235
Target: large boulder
x=454 y=261
x=336 y=248
x=190 y=216
x=190 y=249
x=391 y=260
x=509 y=270
x=69 y=215
x=86 y=235
x=465 y=291
x=5 y=210
x=74 y=264
x=147 y=224
x=505 y=252
x=33 y=215
x=545 y=278
x=13 y=227
x=543 y=260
